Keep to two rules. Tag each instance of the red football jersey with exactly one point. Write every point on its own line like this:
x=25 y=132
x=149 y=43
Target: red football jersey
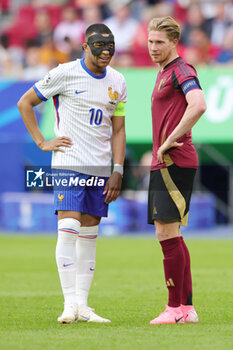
x=168 y=107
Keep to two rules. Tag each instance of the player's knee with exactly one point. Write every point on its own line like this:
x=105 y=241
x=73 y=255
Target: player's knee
x=160 y=232
x=161 y=235
x=160 y=228
x=165 y=230
x=68 y=229
x=67 y=214
x=89 y=220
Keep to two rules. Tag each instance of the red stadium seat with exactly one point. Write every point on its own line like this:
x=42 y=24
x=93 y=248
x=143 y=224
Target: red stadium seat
x=20 y=32
x=4 y=5
x=26 y=12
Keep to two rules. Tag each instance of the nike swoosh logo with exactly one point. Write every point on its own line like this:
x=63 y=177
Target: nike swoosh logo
x=86 y=318
x=178 y=319
x=79 y=92
x=65 y=265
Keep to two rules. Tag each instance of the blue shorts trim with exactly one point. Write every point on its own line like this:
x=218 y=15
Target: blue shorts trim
x=88 y=199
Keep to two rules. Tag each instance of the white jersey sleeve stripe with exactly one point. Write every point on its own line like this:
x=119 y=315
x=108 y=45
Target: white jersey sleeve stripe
x=39 y=94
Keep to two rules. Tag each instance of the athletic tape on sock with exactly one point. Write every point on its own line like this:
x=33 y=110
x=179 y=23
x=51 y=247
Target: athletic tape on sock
x=90 y=232
x=69 y=225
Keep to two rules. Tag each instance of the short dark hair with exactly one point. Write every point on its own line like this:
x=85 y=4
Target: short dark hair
x=98 y=28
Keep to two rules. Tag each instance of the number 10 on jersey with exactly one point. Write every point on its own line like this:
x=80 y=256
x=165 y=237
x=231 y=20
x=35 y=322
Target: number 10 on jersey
x=96 y=116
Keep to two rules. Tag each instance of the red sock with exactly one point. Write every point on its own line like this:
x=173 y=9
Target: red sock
x=187 y=286
x=174 y=263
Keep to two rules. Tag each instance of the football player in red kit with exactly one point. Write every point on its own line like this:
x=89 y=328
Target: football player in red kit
x=177 y=104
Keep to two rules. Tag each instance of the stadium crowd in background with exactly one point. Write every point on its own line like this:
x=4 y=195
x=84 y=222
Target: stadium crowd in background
x=39 y=34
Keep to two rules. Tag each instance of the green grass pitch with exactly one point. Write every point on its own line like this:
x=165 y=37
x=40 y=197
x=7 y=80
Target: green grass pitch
x=128 y=288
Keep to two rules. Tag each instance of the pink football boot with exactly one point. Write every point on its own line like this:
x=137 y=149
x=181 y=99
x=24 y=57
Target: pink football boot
x=190 y=315
x=170 y=315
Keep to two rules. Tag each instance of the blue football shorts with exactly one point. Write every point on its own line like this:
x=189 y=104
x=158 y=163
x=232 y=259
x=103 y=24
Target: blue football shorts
x=80 y=192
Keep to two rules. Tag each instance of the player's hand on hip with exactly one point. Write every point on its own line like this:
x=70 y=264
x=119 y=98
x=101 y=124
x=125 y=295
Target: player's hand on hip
x=164 y=147
x=113 y=187
x=55 y=144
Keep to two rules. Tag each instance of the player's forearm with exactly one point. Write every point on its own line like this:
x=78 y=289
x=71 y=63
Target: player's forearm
x=190 y=118
x=30 y=121
x=118 y=146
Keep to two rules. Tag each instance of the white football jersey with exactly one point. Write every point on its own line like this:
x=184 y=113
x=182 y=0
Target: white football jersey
x=84 y=105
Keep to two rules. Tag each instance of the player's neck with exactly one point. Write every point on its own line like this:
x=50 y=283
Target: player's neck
x=93 y=68
x=169 y=59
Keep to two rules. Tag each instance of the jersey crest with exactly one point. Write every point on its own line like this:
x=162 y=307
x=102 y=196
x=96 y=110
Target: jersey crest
x=113 y=95
x=162 y=81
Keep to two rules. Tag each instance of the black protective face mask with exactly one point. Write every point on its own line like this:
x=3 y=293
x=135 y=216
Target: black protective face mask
x=106 y=40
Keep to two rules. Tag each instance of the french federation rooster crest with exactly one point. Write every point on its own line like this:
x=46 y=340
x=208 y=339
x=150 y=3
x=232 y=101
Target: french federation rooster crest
x=60 y=197
x=113 y=95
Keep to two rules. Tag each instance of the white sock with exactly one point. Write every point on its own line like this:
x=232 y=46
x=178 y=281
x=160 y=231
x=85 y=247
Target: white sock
x=86 y=251
x=68 y=230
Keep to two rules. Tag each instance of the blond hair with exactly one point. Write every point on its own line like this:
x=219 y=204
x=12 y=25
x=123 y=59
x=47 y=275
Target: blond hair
x=167 y=25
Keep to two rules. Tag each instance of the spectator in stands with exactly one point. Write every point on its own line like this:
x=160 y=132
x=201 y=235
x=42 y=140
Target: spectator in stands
x=43 y=25
x=11 y=59
x=219 y=24
x=191 y=55
x=33 y=70
x=50 y=55
x=69 y=32
x=139 y=50
x=84 y=3
x=91 y=14
x=4 y=6
x=229 y=10
x=124 y=26
x=9 y=69
x=226 y=56
x=195 y=19
x=3 y=47
x=205 y=52
x=35 y=20
x=4 y=55
x=102 y=6
x=41 y=3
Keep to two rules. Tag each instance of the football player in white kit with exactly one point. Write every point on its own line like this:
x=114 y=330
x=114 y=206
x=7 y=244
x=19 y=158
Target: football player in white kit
x=89 y=99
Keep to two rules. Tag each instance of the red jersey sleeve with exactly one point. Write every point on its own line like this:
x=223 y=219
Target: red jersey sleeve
x=184 y=71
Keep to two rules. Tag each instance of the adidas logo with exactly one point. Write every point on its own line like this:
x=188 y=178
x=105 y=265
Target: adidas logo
x=154 y=210
x=170 y=283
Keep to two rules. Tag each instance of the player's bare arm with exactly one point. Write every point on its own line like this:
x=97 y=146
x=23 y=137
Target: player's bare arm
x=195 y=108
x=26 y=104
x=113 y=186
